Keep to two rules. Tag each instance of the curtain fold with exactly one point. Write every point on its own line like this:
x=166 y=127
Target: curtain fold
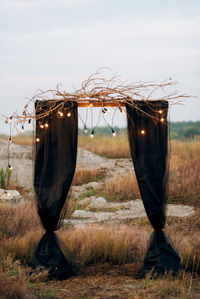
x=148 y=140
x=55 y=162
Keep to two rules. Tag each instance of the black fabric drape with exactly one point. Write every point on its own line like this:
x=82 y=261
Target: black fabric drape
x=55 y=162
x=148 y=139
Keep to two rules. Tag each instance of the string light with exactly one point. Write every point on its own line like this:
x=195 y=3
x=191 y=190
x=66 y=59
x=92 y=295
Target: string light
x=121 y=110
x=10 y=139
x=60 y=113
x=29 y=122
x=46 y=125
x=90 y=105
x=143 y=132
x=7 y=193
x=41 y=126
x=160 y=111
x=162 y=119
x=113 y=133
x=85 y=129
x=92 y=134
x=22 y=130
x=37 y=139
x=104 y=110
x=69 y=114
x=10 y=167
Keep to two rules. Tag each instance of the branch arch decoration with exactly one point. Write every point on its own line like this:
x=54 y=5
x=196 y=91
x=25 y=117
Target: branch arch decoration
x=55 y=162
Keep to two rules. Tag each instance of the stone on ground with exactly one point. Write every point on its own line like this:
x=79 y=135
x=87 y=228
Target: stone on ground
x=11 y=197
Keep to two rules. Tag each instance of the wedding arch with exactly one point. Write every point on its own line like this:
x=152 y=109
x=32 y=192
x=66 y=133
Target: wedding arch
x=56 y=115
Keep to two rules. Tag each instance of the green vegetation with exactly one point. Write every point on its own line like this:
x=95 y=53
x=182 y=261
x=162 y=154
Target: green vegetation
x=184 y=129
x=5 y=178
x=178 y=130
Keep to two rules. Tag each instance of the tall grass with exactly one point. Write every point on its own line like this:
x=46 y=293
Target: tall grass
x=106 y=146
x=112 y=244
x=115 y=244
x=25 y=138
x=184 y=171
x=184 y=175
x=84 y=176
x=20 y=228
x=121 y=189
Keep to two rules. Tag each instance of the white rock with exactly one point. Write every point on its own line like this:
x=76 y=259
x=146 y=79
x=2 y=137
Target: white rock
x=83 y=214
x=92 y=185
x=97 y=203
x=86 y=201
x=11 y=196
x=16 y=151
x=79 y=223
x=179 y=210
x=130 y=210
x=133 y=204
x=86 y=159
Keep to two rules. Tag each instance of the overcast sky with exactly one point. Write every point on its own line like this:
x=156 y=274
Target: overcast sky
x=45 y=43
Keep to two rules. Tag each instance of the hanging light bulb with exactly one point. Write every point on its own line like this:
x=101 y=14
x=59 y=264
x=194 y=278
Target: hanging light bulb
x=37 y=139
x=85 y=129
x=143 y=132
x=113 y=133
x=41 y=126
x=90 y=105
x=22 y=130
x=10 y=139
x=69 y=114
x=162 y=119
x=92 y=134
x=160 y=111
x=104 y=110
x=46 y=125
x=10 y=167
x=9 y=119
x=29 y=122
x=7 y=193
x=121 y=110
x=60 y=113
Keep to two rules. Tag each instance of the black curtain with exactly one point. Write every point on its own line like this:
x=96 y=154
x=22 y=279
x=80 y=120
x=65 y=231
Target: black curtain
x=148 y=140
x=55 y=161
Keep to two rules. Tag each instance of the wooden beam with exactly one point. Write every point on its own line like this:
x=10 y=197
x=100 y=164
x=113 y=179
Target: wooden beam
x=99 y=104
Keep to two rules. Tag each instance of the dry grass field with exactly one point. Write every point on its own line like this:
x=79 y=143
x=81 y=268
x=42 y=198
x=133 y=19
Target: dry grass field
x=109 y=256
x=184 y=171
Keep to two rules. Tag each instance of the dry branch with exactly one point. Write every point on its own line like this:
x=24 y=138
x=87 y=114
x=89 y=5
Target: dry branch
x=100 y=92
